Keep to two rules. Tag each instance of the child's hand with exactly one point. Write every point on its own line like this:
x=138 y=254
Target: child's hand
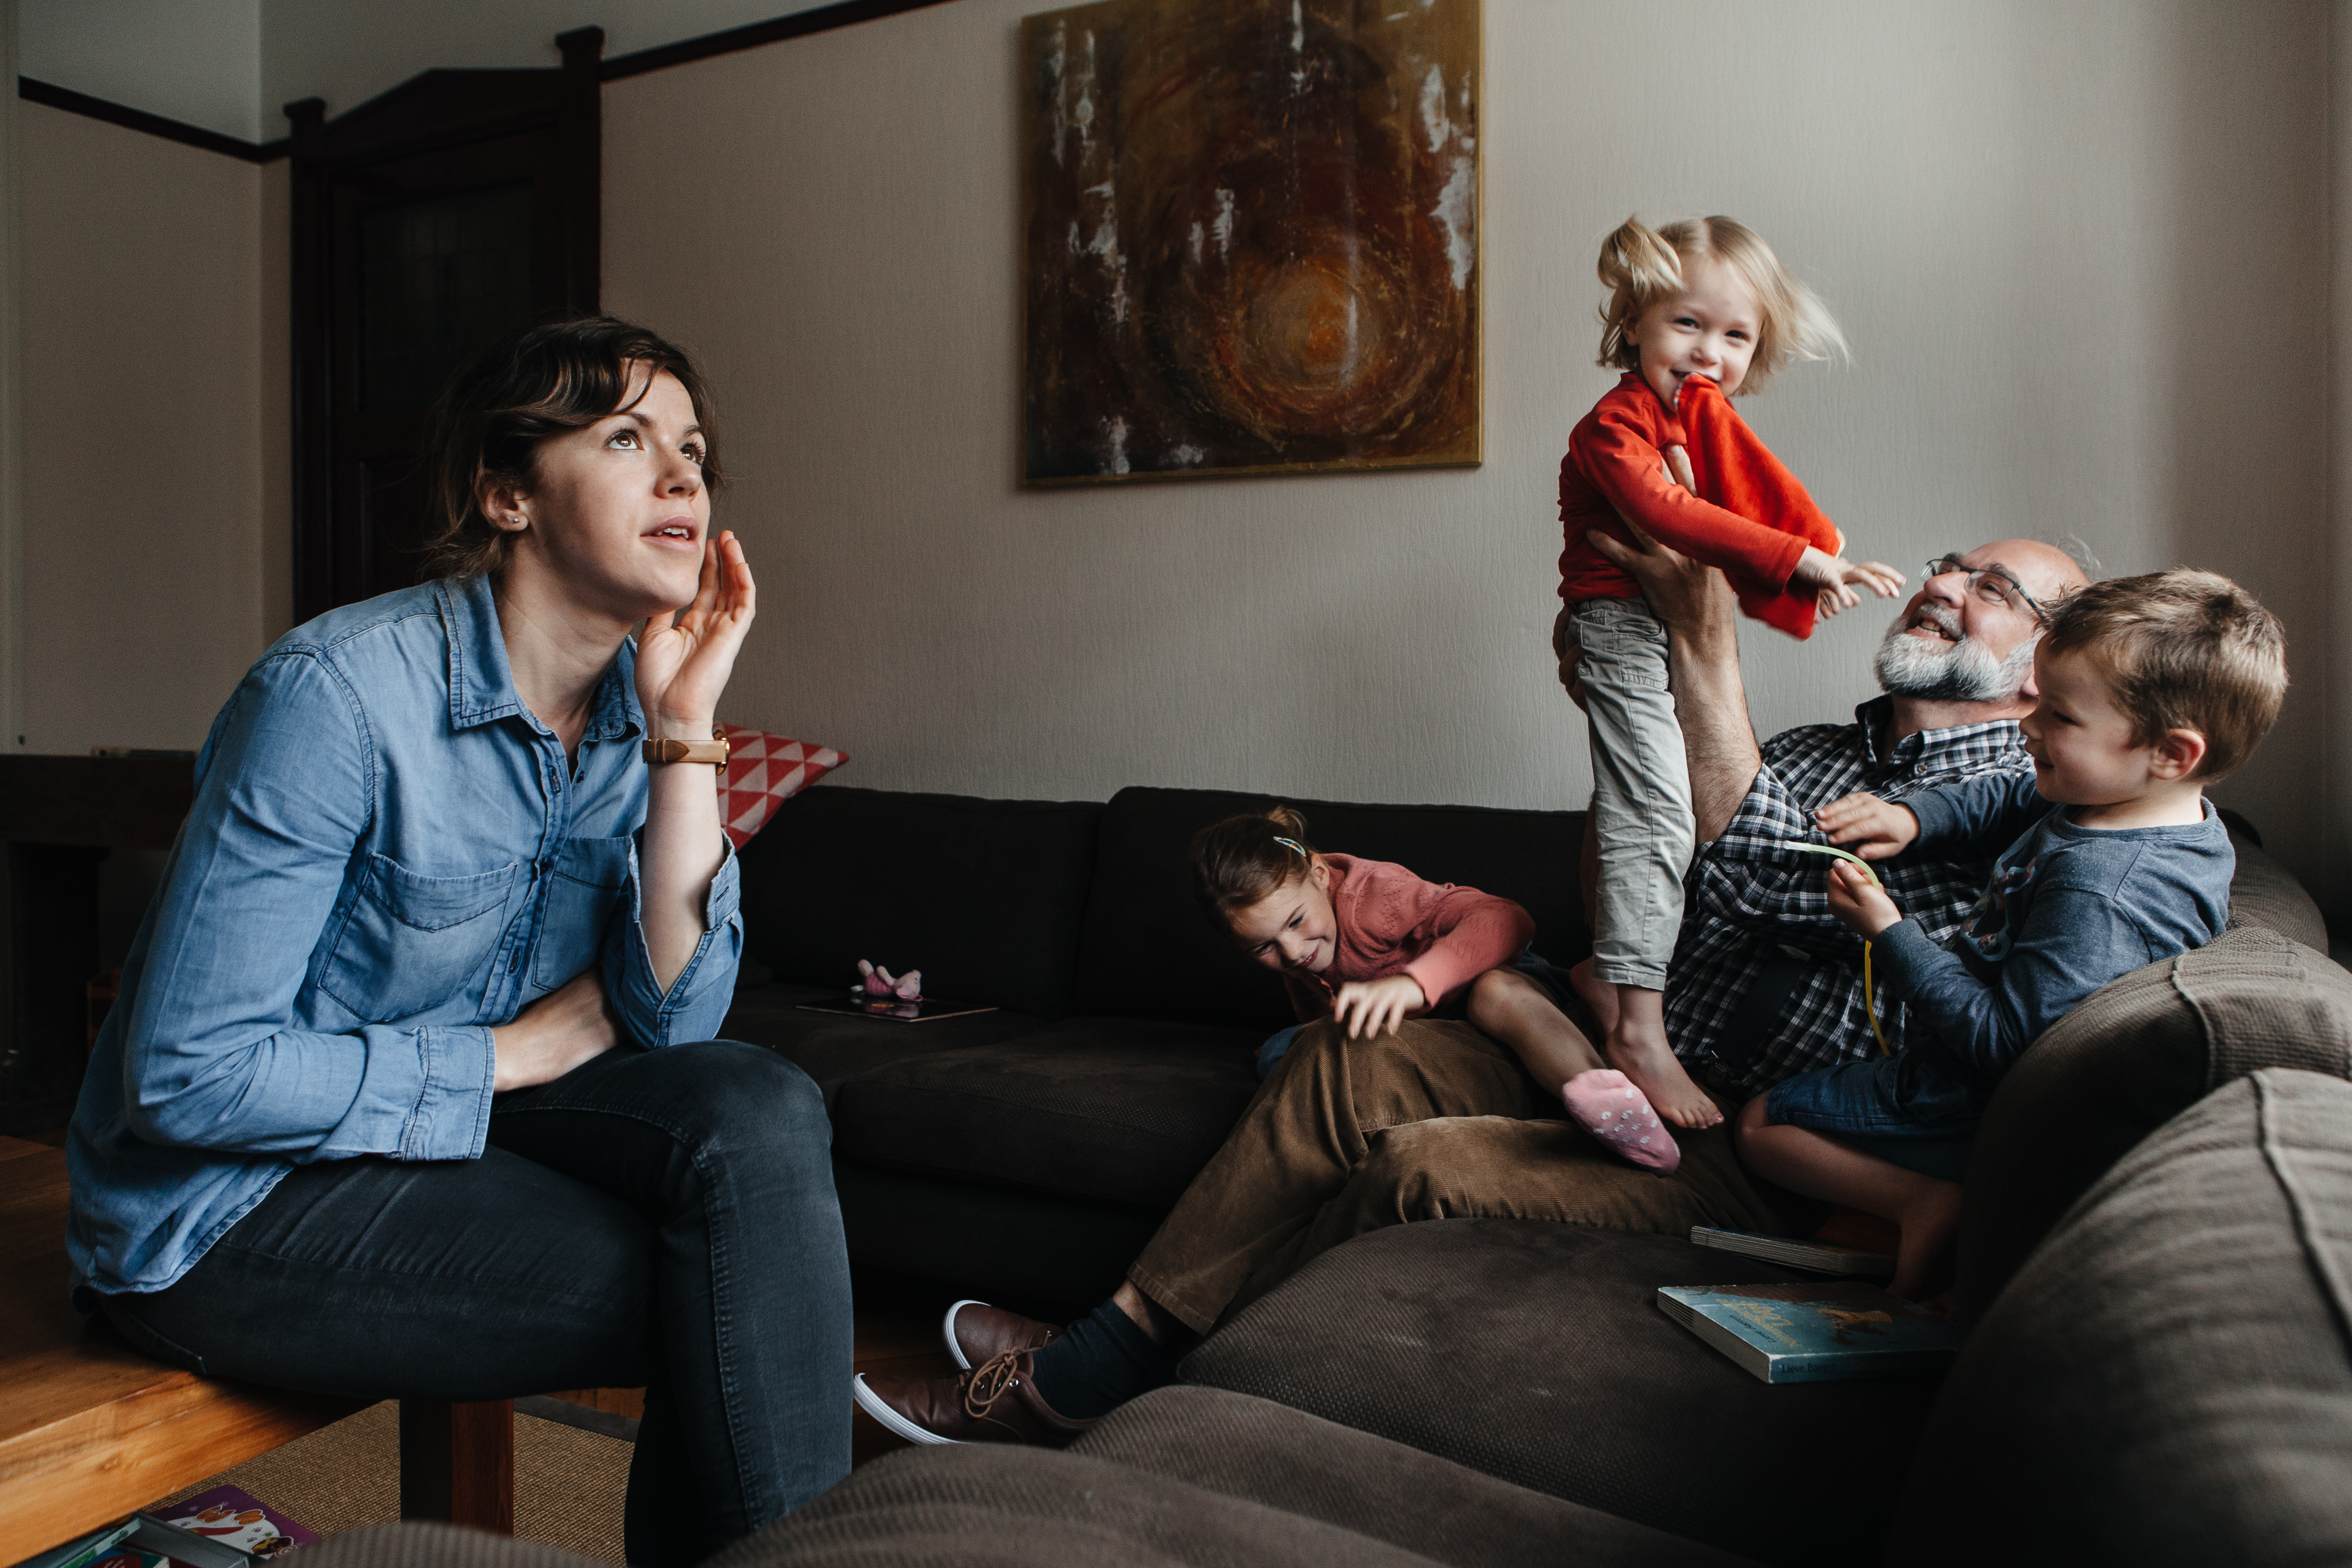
x=1873 y=828
x=1859 y=903
x=1375 y=1007
x=1829 y=577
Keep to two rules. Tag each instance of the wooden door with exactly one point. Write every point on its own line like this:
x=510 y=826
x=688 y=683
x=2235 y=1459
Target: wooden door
x=428 y=223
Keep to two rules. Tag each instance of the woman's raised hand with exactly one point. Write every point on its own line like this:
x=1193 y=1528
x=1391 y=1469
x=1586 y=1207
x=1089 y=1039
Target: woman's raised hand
x=683 y=660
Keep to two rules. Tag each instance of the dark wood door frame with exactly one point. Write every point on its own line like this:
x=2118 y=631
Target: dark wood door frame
x=438 y=111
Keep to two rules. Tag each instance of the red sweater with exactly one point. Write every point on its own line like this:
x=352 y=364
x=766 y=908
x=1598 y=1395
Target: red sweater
x=1750 y=517
x=1391 y=923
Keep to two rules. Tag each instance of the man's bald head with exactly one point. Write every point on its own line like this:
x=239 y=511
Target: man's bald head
x=2044 y=571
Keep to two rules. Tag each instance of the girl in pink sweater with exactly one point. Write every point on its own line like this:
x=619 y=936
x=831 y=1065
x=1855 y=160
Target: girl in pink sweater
x=1370 y=944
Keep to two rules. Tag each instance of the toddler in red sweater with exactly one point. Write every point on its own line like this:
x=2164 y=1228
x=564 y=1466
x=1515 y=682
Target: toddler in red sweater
x=1698 y=310
x=1371 y=944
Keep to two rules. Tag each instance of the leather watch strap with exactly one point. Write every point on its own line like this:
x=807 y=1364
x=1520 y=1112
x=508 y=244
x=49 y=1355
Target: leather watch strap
x=713 y=751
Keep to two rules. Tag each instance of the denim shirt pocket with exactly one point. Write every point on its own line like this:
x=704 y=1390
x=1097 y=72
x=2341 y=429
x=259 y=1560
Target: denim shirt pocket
x=411 y=942
x=588 y=882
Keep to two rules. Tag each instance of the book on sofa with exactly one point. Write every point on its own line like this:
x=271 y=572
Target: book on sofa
x=1824 y=1257
x=921 y=1010
x=1813 y=1334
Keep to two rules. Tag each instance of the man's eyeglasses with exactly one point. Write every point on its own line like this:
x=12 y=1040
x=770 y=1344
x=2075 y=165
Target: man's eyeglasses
x=1992 y=586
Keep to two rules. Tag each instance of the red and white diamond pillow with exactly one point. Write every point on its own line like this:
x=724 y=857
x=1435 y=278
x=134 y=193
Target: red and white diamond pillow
x=762 y=772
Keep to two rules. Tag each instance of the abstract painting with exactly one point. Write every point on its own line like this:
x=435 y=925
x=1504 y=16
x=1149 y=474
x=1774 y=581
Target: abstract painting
x=1250 y=237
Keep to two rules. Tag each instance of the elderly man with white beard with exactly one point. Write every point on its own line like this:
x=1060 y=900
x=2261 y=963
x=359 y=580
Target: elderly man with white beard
x=1435 y=1120
x=1764 y=984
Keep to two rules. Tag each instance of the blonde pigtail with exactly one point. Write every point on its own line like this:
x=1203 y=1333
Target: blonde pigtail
x=1636 y=266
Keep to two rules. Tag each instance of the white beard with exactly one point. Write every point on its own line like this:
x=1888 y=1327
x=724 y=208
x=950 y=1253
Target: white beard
x=1963 y=671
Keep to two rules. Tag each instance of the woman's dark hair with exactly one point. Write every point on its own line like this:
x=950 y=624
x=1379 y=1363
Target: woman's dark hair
x=1243 y=859
x=515 y=395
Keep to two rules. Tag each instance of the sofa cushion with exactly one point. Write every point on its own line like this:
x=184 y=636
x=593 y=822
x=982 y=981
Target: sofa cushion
x=984 y=896
x=981 y=1505
x=1141 y=920
x=2133 y=1056
x=2169 y=1380
x=832 y=1047
x=1117 y=1110
x=1266 y=1453
x=1536 y=1353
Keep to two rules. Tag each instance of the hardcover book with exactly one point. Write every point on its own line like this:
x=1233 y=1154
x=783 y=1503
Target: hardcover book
x=1822 y=1257
x=921 y=1010
x=1815 y=1333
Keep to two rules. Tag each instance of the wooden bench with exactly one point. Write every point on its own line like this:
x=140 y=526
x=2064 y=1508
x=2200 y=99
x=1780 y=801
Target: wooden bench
x=91 y=1429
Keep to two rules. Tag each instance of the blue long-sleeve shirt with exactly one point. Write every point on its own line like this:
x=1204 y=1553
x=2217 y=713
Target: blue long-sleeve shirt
x=2067 y=909
x=387 y=856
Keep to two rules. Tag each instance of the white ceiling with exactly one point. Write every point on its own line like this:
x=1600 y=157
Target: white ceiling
x=230 y=66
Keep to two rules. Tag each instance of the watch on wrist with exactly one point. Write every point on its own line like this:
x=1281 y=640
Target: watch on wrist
x=713 y=751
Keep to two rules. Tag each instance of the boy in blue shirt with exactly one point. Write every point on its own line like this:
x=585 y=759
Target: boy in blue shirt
x=2148 y=689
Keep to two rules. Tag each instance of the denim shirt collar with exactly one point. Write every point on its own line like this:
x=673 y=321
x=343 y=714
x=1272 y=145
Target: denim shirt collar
x=481 y=682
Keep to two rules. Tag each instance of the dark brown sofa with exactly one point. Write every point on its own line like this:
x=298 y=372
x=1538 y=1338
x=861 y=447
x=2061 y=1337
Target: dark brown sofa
x=1504 y=1391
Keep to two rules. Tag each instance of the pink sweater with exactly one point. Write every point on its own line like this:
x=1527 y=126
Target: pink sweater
x=1391 y=923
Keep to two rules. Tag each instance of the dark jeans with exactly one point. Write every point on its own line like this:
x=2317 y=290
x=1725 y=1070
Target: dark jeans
x=657 y=1217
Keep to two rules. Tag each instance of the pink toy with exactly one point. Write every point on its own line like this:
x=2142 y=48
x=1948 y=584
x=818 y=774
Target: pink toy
x=1605 y=1103
x=907 y=987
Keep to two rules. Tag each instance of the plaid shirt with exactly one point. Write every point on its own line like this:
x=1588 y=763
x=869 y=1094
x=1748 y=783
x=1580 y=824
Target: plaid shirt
x=1765 y=982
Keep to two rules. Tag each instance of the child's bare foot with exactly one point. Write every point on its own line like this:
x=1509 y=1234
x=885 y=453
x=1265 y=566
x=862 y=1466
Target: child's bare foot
x=1643 y=1055
x=1922 y=1259
x=1598 y=995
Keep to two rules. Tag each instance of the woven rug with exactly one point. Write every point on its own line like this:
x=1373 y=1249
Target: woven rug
x=568 y=1483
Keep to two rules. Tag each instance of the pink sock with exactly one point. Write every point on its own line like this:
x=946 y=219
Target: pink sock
x=1605 y=1103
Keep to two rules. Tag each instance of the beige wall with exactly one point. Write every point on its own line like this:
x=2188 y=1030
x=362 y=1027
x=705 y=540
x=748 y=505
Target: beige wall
x=2074 y=249
x=143 y=553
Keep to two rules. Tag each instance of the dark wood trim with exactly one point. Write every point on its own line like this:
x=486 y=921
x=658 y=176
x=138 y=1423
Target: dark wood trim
x=579 y=125
x=312 y=368
x=751 y=36
x=824 y=19
x=72 y=102
x=457 y=1463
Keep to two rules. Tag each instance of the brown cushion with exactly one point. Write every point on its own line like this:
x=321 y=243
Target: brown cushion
x=1536 y=1353
x=984 y=1506
x=984 y=896
x=1121 y=1110
x=834 y=1046
x=1267 y=1453
x=2169 y=1380
x=2132 y=1057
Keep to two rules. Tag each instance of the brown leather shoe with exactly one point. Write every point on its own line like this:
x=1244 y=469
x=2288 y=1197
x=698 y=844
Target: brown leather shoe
x=976 y=1331
x=996 y=1402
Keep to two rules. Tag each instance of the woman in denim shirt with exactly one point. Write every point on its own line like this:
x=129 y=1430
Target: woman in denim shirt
x=402 y=1098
